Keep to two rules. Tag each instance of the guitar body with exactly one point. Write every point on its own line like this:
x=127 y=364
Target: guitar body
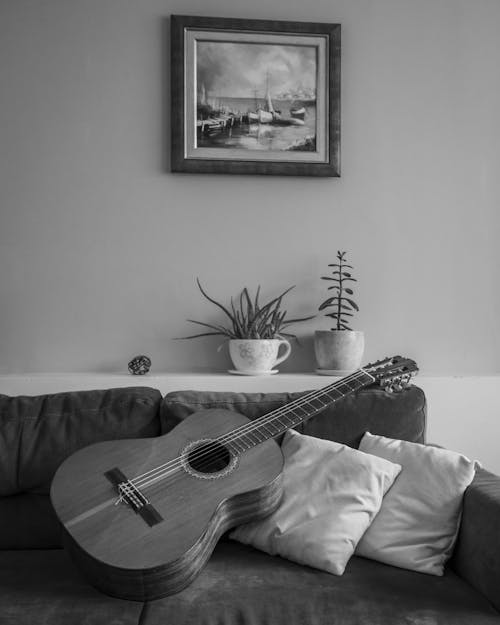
x=192 y=496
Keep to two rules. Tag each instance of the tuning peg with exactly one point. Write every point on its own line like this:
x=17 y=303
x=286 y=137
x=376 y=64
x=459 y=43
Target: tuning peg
x=393 y=388
x=379 y=363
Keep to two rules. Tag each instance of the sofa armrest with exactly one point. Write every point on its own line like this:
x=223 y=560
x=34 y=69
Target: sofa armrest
x=477 y=553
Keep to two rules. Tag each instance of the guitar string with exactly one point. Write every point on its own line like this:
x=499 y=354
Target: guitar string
x=255 y=424
x=130 y=488
x=285 y=408
x=273 y=417
x=154 y=485
x=169 y=467
x=163 y=470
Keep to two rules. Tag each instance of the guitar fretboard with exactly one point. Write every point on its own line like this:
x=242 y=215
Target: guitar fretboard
x=282 y=419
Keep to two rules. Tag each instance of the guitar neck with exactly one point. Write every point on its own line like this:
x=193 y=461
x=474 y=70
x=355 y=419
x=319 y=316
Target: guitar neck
x=282 y=419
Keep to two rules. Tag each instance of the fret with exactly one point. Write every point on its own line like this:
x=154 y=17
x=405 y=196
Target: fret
x=338 y=394
x=349 y=388
x=254 y=433
x=286 y=426
x=246 y=440
x=244 y=443
x=268 y=428
x=322 y=404
x=362 y=380
x=236 y=447
x=292 y=408
x=282 y=426
x=295 y=419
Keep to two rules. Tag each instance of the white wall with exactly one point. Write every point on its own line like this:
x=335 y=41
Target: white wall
x=100 y=244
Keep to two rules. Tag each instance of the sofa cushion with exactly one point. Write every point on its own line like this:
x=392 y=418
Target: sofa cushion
x=243 y=586
x=331 y=494
x=418 y=522
x=28 y=521
x=44 y=587
x=38 y=433
x=477 y=554
x=396 y=415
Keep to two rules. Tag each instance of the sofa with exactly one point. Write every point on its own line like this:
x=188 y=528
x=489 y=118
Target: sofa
x=240 y=585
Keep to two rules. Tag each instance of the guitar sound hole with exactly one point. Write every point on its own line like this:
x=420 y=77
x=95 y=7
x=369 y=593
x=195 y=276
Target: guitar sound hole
x=209 y=457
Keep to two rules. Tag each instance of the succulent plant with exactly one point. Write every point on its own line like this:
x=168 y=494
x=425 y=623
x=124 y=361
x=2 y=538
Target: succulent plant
x=340 y=304
x=248 y=318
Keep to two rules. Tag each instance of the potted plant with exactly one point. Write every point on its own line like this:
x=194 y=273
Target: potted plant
x=255 y=331
x=340 y=349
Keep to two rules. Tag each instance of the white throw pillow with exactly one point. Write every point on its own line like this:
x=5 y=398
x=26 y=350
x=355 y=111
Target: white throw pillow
x=331 y=494
x=418 y=522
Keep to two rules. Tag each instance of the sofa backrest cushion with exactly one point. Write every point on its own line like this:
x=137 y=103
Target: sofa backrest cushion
x=38 y=433
x=395 y=415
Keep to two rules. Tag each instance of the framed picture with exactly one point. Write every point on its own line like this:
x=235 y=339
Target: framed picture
x=255 y=97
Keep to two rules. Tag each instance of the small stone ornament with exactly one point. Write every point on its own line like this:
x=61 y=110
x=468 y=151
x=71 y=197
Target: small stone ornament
x=139 y=365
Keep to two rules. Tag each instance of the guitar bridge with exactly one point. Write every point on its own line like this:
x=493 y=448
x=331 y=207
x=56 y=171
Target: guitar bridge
x=133 y=496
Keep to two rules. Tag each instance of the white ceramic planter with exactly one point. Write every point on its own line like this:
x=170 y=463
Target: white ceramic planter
x=257 y=356
x=338 y=351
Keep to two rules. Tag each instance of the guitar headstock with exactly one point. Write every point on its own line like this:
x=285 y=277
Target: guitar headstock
x=393 y=374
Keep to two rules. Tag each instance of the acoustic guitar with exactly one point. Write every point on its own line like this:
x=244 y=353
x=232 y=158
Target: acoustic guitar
x=141 y=517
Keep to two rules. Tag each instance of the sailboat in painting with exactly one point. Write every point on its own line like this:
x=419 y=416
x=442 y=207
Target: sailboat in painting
x=262 y=114
x=268 y=114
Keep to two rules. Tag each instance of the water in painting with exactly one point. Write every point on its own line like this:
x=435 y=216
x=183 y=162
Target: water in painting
x=256 y=96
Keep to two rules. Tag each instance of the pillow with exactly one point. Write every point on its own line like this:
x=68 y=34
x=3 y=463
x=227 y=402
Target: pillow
x=331 y=494
x=418 y=522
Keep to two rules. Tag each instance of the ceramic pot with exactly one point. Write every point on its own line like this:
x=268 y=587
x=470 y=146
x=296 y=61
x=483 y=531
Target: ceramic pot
x=338 y=351
x=254 y=356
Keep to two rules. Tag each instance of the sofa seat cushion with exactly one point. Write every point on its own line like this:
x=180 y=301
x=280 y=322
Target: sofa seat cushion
x=28 y=521
x=43 y=587
x=396 y=415
x=243 y=586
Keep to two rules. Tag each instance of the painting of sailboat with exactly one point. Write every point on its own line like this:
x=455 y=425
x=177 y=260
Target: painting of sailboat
x=243 y=85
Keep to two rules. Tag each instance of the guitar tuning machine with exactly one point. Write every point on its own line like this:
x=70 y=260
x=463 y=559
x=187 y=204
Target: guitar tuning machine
x=397 y=384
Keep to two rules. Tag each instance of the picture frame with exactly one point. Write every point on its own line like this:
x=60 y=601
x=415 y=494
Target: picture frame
x=255 y=96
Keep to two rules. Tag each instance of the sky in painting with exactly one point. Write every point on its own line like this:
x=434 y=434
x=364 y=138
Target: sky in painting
x=228 y=69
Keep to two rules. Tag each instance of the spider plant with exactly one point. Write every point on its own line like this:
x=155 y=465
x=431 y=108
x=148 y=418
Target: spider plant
x=248 y=318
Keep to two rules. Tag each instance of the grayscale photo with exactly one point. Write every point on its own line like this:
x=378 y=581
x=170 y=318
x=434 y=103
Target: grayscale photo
x=250 y=312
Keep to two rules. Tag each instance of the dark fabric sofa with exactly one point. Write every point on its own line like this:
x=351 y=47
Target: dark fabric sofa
x=240 y=585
